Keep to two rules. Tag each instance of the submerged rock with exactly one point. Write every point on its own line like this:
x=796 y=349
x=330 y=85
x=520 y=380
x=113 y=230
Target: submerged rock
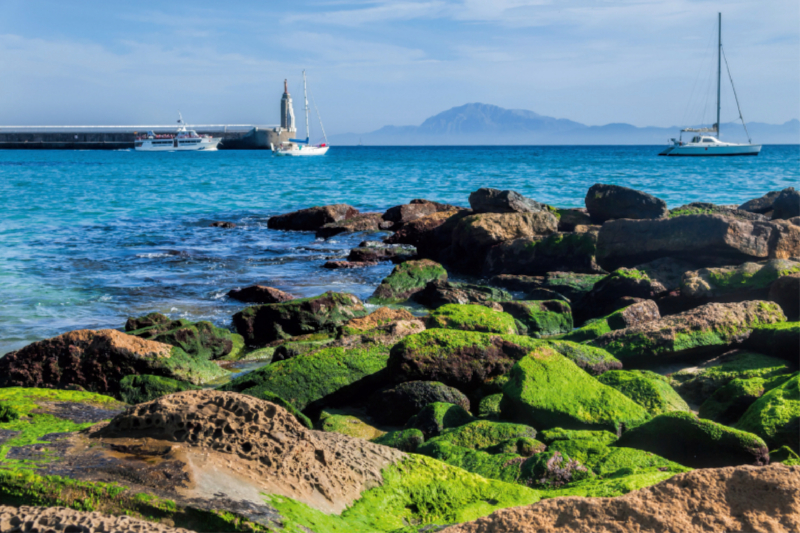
x=608 y=202
x=367 y=251
x=222 y=224
x=260 y=294
x=312 y=218
x=407 y=279
x=339 y=265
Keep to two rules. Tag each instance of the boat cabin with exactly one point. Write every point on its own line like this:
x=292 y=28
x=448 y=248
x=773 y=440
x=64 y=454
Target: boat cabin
x=698 y=139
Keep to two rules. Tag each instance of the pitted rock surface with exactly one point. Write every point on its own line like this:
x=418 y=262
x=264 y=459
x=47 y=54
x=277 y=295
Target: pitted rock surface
x=55 y=519
x=325 y=470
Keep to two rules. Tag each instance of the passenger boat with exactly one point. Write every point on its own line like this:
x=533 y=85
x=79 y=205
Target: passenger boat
x=710 y=145
x=184 y=140
x=302 y=147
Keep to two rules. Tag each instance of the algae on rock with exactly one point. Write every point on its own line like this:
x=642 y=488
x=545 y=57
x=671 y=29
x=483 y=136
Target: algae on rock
x=470 y=317
x=406 y=279
x=775 y=416
x=200 y=339
x=648 y=389
x=540 y=318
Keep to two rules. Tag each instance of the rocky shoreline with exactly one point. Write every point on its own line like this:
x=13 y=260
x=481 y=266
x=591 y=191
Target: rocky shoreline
x=624 y=355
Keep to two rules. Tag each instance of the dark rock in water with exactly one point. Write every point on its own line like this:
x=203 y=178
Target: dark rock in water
x=336 y=265
x=441 y=292
x=705 y=208
x=787 y=204
x=200 y=339
x=361 y=222
x=395 y=405
x=761 y=205
x=400 y=215
x=540 y=318
x=609 y=202
x=406 y=280
x=705 y=240
x=696 y=443
x=260 y=294
x=222 y=224
x=147 y=321
x=262 y=324
x=486 y=200
x=559 y=252
x=785 y=291
x=568 y=219
x=381 y=252
x=312 y=218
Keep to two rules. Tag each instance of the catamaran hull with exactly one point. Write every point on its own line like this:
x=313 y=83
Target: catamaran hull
x=712 y=151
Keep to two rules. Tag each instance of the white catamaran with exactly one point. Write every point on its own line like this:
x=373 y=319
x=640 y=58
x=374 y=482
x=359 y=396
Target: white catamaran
x=302 y=147
x=705 y=144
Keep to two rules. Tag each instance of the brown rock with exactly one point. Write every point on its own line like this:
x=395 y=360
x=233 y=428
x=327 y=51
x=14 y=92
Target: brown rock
x=336 y=265
x=761 y=205
x=786 y=204
x=400 y=215
x=312 y=218
x=486 y=200
x=431 y=234
x=260 y=294
x=361 y=222
x=57 y=519
x=379 y=317
x=222 y=224
x=608 y=202
x=569 y=218
x=487 y=229
x=742 y=498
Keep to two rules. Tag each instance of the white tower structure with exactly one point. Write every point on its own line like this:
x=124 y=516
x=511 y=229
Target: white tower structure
x=287 y=111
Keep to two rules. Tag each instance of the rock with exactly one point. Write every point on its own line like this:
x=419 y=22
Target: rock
x=395 y=405
x=540 y=318
x=436 y=417
x=400 y=215
x=260 y=294
x=743 y=498
x=568 y=219
x=784 y=291
x=405 y=440
x=371 y=222
x=571 y=285
x=786 y=204
x=486 y=435
x=489 y=406
x=775 y=416
x=199 y=339
x=546 y=390
x=339 y=265
x=667 y=272
x=784 y=455
x=593 y=360
x=487 y=200
x=608 y=202
x=144 y=388
x=312 y=218
x=777 y=339
x=380 y=317
x=706 y=240
x=702 y=331
x=345 y=423
x=696 y=443
x=648 y=389
x=729 y=402
x=97 y=360
x=537 y=256
x=550 y=436
x=261 y=324
x=705 y=208
x=442 y=292
x=221 y=224
x=407 y=279
x=381 y=252
x=429 y=234
x=748 y=281
x=761 y=205
x=614 y=292
x=468 y=317
x=323 y=378
x=47 y=519
x=632 y=315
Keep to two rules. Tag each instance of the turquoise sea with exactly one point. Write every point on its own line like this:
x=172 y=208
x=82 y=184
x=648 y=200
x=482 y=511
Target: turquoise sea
x=88 y=238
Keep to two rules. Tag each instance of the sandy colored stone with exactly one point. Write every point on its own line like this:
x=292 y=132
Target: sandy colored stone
x=57 y=519
x=379 y=317
x=740 y=499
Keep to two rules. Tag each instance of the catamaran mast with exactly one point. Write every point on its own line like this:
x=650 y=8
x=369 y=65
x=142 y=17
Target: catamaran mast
x=719 y=67
x=305 y=97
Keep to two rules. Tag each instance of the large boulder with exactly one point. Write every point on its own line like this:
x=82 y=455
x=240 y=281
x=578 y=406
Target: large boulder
x=748 y=281
x=400 y=215
x=702 y=331
x=312 y=218
x=762 y=205
x=593 y=360
x=705 y=208
x=786 y=204
x=199 y=339
x=370 y=222
x=470 y=317
x=706 y=240
x=650 y=390
x=407 y=279
x=616 y=291
x=97 y=360
x=696 y=443
x=260 y=294
x=537 y=256
x=396 y=404
x=262 y=324
x=540 y=318
x=429 y=234
x=442 y=292
x=608 y=202
x=486 y=200
x=547 y=390
x=775 y=416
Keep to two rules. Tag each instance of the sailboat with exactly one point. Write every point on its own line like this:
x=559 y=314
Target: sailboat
x=707 y=143
x=303 y=147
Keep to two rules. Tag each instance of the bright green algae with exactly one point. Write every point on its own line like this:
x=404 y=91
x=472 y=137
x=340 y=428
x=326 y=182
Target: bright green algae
x=436 y=417
x=405 y=440
x=541 y=318
x=729 y=402
x=597 y=327
x=407 y=278
x=749 y=276
x=337 y=421
x=471 y=317
x=775 y=416
x=648 y=389
x=200 y=339
x=482 y=434
x=593 y=360
x=143 y=388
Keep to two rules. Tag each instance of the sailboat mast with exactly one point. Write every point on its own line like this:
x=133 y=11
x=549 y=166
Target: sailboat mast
x=305 y=97
x=719 y=67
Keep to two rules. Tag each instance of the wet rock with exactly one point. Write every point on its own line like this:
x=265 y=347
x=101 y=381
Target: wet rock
x=540 y=318
x=785 y=291
x=568 y=219
x=312 y=218
x=608 y=202
x=442 y=292
x=486 y=200
x=632 y=315
x=761 y=205
x=406 y=280
x=748 y=281
x=262 y=324
x=786 y=204
x=696 y=443
x=199 y=339
x=650 y=390
x=705 y=208
x=338 y=265
x=377 y=251
x=222 y=224
x=369 y=222
x=395 y=405
x=260 y=294
x=559 y=252
x=400 y=215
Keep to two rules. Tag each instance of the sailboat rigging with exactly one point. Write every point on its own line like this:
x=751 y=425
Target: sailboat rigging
x=303 y=147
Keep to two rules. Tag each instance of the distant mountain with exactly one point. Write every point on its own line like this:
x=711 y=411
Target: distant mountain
x=484 y=124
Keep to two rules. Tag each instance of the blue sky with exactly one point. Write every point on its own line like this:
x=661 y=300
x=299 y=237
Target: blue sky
x=377 y=62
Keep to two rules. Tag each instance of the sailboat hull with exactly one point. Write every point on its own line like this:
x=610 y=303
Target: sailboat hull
x=712 y=151
x=301 y=150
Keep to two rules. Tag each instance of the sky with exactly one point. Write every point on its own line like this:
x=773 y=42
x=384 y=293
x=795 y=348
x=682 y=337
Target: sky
x=374 y=63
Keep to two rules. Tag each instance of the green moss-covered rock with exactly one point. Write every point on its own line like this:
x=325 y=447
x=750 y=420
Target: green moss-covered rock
x=550 y=436
x=571 y=285
x=436 y=417
x=729 y=402
x=593 y=360
x=143 y=388
x=405 y=440
x=489 y=406
x=696 y=443
x=778 y=340
x=775 y=416
x=632 y=315
x=327 y=376
x=484 y=434
x=748 y=281
x=348 y=424
x=396 y=404
x=440 y=292
x=546 y=390
x=648 y=389
x=201 y=339
x=540 y=318
x=507 y=467
x=470 y=317
x=784 y=455
x=262 y=324
x=406 y=279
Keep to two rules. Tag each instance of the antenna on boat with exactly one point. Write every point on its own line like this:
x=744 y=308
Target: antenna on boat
x=719 y=67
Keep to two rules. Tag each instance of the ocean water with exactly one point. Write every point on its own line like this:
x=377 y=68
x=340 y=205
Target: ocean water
x=88 y=238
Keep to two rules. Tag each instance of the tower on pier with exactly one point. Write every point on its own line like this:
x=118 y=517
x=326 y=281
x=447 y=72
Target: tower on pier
x=287 y=111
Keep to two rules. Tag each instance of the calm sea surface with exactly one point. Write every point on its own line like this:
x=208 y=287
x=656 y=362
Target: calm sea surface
x=88 y=238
